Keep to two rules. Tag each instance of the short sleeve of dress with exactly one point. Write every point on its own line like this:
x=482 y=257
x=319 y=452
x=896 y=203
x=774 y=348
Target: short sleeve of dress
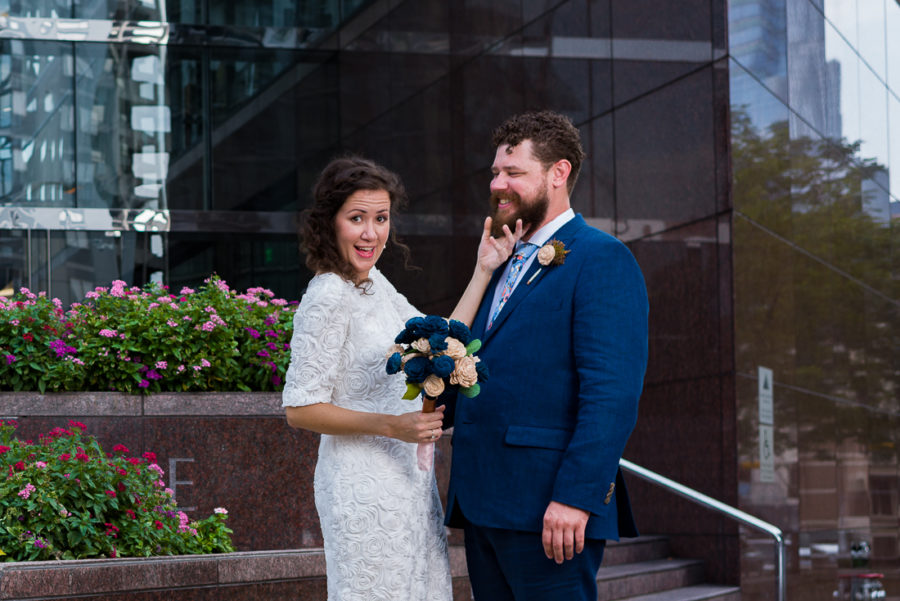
x=320 y=331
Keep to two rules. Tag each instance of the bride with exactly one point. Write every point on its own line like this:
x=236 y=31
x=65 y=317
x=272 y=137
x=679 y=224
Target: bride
x=380 y=514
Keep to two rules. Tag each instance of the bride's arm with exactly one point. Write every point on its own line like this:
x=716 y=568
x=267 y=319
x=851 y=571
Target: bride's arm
x=492 y=252
x=326 y=418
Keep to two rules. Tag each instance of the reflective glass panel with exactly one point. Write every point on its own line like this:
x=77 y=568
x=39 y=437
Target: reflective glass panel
x=243 y=261
x=139 y=125
x=271 y=112
x=841 y=88
x=872 y=43
x=892 y=28
x=13 y=261
x=843 y=16
x=758 y=40
x=36 y=124
x=36 y=8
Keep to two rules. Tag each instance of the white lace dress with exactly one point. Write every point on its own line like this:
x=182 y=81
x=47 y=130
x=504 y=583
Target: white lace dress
x=381 y=515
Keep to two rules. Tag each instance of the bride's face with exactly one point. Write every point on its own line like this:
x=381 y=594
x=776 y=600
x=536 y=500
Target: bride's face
x=362 y=226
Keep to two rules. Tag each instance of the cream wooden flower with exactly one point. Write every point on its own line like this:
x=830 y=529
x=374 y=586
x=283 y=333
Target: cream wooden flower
x=455 y=349
x=433 y=385
x=422 y=345
x=465 y=373
x=546 y=254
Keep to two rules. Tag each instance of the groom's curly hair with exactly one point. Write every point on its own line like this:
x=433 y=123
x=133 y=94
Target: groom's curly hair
x=553 y=138
x=338 y=181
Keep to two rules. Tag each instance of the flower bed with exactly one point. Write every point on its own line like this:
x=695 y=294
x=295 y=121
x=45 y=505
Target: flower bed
x=63 y=497
x=146 y=340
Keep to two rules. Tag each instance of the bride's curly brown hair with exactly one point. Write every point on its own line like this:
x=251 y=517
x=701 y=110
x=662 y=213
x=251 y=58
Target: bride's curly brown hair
x=338 y=181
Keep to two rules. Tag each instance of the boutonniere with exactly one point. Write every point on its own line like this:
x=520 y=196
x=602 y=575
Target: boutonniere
x=552 y=253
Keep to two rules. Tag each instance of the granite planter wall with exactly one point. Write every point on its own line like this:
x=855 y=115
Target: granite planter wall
x=248 y=576
x=232 y=450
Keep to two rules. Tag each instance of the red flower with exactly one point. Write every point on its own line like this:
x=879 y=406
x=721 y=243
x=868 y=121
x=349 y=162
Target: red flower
x=131 y=514
x=121 y=486
x=111 y=494
x=74 y=424
x=28 y=337
x=20 y=466
x=65 y=457
x=150 y=456
x=3 y=449
x=133 y=460
x=159 y=525
x=120 y=448
x=82 y=457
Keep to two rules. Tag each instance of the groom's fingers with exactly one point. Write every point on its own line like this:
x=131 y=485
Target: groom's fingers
x=487 y=229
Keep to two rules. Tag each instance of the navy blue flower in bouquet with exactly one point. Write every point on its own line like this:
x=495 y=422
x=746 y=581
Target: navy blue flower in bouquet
x=435 y=353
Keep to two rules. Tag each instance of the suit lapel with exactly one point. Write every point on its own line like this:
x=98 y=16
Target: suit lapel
x=565 y=234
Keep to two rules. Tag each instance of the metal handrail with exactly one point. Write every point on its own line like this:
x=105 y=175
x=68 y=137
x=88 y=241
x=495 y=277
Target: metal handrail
x=732 y=512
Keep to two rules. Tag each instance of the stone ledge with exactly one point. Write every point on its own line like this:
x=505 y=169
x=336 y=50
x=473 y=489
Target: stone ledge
x=108 y=404
x=177 y=574
x=42 y=579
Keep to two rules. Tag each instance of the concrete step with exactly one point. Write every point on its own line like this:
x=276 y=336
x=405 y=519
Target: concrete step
x=633 y=550
x=697 y=592
x=646 y=577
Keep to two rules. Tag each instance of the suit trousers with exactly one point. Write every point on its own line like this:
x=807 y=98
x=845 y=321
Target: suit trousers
x=510 y=565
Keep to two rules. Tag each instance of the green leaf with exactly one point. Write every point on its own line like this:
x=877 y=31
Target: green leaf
x=473 y=347
x=471 y=391
x=412 y=391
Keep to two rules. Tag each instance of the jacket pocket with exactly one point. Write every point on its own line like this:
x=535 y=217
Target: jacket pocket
x=542 y=438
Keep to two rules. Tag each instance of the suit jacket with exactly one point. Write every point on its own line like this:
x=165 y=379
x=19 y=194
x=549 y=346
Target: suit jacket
x=567 y=356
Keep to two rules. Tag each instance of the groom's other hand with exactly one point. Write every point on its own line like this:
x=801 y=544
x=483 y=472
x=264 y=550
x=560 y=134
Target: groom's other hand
x=563 y=533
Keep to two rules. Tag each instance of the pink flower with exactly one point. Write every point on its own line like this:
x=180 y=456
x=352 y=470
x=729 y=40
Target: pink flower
x=40 y=465
x=186 y=290
x=106 y=333
x=161 y=365
x=208 y=326
x=172 y=323
x=221 y=510
x=26 y=492
x=204 y=363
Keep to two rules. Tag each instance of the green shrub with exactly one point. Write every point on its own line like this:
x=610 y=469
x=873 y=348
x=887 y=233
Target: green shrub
x=64 y=498
x=146 y=340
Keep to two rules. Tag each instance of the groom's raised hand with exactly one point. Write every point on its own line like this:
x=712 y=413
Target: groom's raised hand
x=563 y=533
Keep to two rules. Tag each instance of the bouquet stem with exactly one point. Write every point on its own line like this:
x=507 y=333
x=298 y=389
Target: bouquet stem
x=425 y=450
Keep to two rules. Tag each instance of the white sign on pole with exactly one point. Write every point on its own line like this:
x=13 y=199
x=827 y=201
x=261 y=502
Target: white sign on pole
x=766 y=422
x=765 y=383
x=766 y=454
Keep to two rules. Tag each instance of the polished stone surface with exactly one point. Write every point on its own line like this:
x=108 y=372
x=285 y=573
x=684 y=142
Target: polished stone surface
x=247 y=576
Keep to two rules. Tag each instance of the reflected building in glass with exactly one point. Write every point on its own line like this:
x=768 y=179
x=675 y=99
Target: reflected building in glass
x=747 y=151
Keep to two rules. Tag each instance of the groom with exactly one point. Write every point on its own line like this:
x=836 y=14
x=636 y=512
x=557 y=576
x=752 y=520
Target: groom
x=535 y=480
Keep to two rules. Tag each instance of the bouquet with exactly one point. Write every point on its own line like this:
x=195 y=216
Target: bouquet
x=436 y=354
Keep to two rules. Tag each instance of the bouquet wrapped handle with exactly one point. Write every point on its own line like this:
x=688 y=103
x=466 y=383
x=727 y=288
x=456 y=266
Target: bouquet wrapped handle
x=425 y=450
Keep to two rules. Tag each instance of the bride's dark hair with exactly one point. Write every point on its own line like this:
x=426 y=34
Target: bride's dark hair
x=338 y=181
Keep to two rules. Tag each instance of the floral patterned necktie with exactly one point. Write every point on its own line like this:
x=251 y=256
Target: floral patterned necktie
x=518 y=260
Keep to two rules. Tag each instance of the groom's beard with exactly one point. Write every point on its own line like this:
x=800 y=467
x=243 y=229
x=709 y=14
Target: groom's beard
x=531 y=213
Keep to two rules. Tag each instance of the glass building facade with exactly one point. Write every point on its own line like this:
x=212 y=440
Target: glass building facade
x=815 y=126
x=747 y=151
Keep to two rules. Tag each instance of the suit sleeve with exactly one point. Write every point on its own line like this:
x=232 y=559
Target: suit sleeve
x=610 y=350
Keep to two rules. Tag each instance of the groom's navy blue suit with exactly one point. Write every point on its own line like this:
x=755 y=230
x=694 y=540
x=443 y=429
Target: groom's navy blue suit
x=567 y=356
